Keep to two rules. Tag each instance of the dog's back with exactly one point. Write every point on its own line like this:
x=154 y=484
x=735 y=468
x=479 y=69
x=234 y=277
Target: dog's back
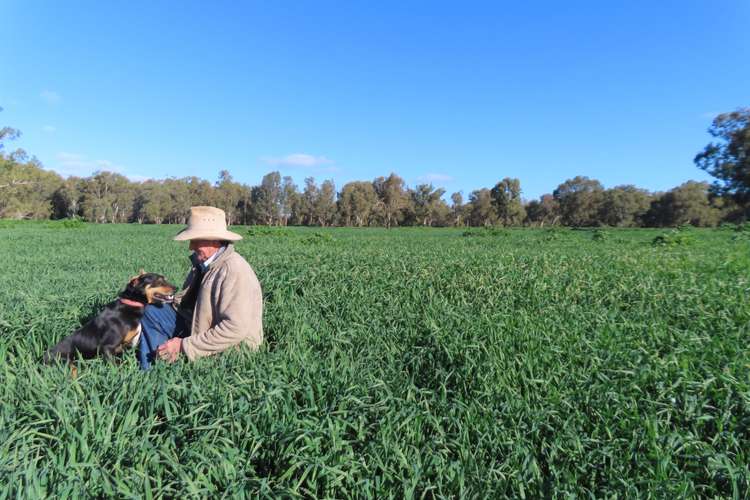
x=101 y=336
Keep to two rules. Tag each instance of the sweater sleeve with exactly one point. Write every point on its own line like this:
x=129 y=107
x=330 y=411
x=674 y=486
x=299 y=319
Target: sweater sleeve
x=237 y=300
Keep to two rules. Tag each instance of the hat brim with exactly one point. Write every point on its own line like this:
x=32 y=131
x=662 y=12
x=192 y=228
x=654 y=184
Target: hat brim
x=206 y=234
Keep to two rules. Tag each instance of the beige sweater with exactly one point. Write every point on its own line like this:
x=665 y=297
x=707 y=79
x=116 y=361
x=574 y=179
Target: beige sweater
x=228 y=310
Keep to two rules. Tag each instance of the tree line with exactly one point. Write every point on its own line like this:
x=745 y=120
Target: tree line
x=28 y=191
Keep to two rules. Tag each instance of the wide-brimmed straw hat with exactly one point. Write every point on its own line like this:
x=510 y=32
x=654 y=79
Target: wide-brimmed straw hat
x=207 y=223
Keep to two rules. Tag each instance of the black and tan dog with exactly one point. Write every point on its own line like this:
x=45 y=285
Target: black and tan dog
x=118 y=325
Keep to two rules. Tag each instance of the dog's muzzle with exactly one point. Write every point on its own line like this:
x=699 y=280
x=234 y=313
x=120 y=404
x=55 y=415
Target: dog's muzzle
x=167 y=299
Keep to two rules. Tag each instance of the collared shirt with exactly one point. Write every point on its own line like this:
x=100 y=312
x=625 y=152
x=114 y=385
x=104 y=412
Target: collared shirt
x=187 y=303
x=211 y=259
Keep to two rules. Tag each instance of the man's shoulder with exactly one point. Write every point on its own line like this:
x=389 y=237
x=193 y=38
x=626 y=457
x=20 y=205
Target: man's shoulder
x=237 y=270
x=234 y=262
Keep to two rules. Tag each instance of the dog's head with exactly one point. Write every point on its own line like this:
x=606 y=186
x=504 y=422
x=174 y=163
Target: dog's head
x=150 y=288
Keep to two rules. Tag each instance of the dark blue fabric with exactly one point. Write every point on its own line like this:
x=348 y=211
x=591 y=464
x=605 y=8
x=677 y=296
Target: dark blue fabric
x=159 y=324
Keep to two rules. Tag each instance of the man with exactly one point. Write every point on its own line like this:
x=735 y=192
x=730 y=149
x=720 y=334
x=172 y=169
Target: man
x=220 y=306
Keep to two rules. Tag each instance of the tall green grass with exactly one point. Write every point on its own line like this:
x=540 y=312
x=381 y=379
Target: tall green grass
x=403 y=363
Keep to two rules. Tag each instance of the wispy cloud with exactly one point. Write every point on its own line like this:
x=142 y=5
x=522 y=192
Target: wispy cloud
x=49 y=129
x=435 y=177
x=50 y=96
x=68 y=157
x=302 y=160
x=82 y=166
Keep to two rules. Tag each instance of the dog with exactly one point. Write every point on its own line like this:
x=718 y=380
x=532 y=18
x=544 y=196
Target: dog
x=118 y=326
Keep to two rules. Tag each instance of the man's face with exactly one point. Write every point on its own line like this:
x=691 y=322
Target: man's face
x=204 y=249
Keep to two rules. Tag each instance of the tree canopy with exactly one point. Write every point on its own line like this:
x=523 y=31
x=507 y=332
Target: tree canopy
x=28 y=191
x=728 y=159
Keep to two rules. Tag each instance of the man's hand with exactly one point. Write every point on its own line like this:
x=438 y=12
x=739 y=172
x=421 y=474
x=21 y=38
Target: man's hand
x=170 y=350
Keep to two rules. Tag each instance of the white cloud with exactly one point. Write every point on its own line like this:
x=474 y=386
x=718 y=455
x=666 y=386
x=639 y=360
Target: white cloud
x=50 y=96
x=49 y=129
x=435 y=177
x=302 y=160
x=81 y=166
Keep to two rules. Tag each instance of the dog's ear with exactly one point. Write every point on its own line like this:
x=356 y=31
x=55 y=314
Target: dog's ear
x=133 y=290
x=133 y=279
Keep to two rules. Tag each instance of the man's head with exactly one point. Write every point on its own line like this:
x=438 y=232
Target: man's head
x=205 y=249
x=206 y=231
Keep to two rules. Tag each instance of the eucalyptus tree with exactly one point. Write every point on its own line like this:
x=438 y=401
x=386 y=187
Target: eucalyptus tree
x=290 y=200
x=482 y=211
x=325 y=204
x=357 y=204
x=544 y=211
x=427 y=205
x=729 y=159
x=506 y=197
x=392 y=199
x=228 y=195
x=307 y=202
x=579 y=199
x=688 y=203
x=107 y=197
x=267 y=199
x=458 y=209
x=624 y=206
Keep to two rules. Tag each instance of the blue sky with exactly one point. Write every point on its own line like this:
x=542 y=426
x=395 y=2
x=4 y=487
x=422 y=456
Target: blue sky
x=460 y=94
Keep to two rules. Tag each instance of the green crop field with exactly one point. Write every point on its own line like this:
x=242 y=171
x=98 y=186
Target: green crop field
x=398 y=363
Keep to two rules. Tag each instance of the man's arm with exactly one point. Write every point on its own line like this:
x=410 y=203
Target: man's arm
x=238 y=307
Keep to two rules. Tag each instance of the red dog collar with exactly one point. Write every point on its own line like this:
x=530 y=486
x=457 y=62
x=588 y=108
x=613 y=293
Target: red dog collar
x=132 y=303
